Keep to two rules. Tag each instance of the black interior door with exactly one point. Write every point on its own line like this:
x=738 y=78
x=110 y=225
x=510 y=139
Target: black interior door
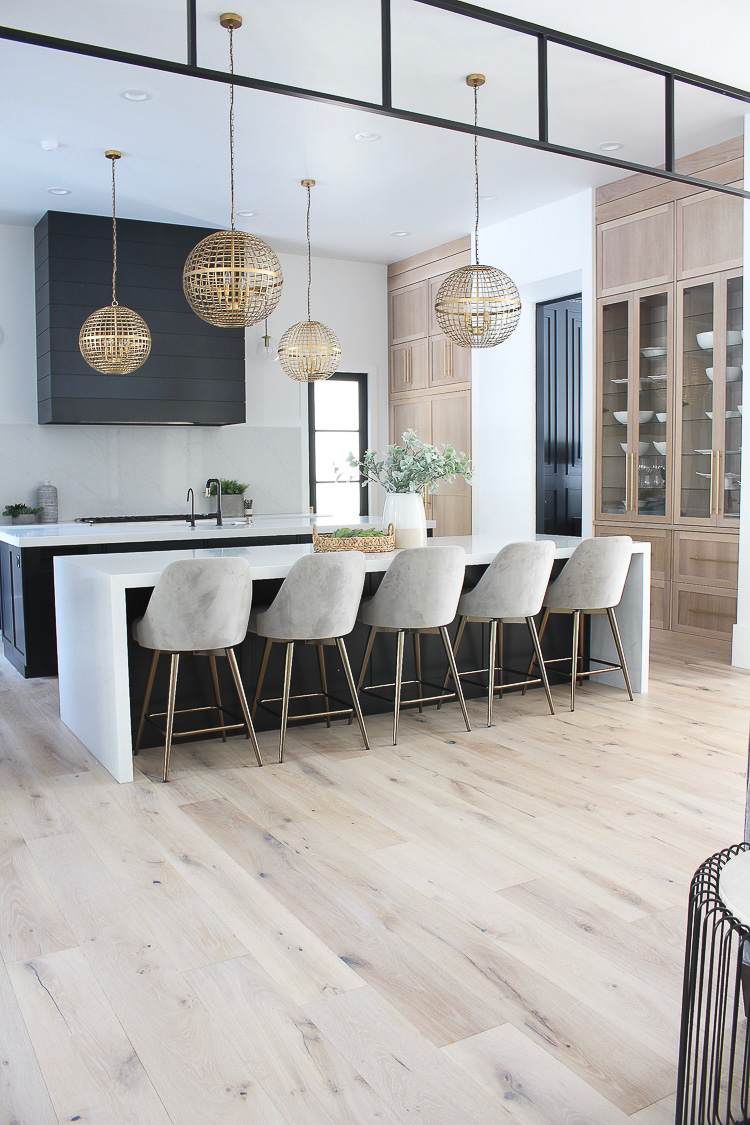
x=558 y=429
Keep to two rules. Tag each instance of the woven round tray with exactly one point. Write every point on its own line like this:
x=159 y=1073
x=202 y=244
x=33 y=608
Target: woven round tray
x=370 y=544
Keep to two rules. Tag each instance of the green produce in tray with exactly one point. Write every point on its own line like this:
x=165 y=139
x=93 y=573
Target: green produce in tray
x=358 y=533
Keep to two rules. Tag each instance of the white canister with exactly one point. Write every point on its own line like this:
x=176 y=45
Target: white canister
x=405 y=510
x=46 y=497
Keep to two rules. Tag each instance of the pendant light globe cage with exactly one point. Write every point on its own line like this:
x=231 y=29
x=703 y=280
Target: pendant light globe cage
x=114 y=340
x=309 y=351
x=232 y=279
x=477 y=306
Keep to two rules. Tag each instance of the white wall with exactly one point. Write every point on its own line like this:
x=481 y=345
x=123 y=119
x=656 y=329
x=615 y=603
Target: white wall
x=119 y=470
x=549 y=253
x=741 y=632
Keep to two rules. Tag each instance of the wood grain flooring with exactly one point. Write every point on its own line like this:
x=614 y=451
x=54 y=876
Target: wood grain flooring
x=467 y=929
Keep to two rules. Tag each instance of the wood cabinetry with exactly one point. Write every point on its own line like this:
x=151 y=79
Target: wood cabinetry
x=669 y=385
x=430 y=377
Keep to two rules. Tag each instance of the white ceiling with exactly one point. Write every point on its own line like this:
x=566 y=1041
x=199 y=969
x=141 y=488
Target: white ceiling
x=415 y=178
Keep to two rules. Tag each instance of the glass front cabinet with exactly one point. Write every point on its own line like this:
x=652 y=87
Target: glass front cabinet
x=709 y=394
x=636 y=382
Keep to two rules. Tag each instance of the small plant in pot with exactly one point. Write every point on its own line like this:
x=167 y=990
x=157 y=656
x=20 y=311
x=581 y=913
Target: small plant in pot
x=233 y=503
x=22 y=513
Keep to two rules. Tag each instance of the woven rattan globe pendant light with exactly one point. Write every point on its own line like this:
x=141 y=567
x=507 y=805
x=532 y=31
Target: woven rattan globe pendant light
x=114 y=340
x=309 y=351
x=477 y=306
x=231 y=278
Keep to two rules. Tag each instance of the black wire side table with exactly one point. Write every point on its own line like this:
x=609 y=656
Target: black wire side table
x=713 y=1080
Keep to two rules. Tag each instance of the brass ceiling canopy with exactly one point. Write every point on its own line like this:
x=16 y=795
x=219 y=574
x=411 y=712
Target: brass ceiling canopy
x=114 y=340
x=231 y=278
x=309 y=351
x=477 y=306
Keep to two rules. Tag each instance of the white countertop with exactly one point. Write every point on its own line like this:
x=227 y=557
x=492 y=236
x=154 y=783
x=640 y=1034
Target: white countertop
x=70 y=534
x=274 y=561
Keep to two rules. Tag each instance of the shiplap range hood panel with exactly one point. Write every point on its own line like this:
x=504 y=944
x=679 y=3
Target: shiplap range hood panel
x=195 y=374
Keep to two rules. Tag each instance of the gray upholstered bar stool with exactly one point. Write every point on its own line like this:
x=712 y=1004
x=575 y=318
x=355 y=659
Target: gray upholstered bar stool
x=592 y=582
x=509 y=592
x=419 y=594
x=317 y=604
x=198 y=606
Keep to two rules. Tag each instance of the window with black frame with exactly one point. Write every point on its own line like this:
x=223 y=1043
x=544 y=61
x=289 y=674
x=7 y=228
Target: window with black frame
x=337 y=409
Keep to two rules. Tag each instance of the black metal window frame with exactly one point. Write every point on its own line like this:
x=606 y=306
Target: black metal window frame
x=341 y=377
x=385 y=107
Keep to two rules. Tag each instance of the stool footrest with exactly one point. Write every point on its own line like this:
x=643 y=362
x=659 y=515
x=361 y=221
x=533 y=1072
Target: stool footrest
x=341 y=710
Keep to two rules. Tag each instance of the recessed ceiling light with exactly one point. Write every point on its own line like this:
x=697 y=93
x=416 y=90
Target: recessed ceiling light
x=367 y=136
x=610 y=146
x=400 y=233
x=48 y=144
x=136 y=95
x=58 y=191
x=247 y=214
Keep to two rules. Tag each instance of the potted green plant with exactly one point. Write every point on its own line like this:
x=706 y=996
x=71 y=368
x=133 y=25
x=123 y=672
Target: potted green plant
x=21 y=513
x=406 y=472
x=233 y=502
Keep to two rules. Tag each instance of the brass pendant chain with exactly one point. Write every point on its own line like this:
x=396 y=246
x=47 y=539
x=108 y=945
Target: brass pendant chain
x=231 y=121
x=309 y=266
x=476 y=179
x=114 y=236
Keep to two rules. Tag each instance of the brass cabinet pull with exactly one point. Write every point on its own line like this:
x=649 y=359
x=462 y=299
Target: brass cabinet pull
x=627 y=482
x=447 y=365
x=407 y=365
x=632 y=482
x=711 y=499
x=719 y=480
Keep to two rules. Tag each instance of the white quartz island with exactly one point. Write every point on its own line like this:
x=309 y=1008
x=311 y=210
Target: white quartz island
x=92 y=635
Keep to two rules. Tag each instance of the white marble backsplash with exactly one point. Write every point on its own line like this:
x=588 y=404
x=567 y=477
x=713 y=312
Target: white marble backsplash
x=146 y=470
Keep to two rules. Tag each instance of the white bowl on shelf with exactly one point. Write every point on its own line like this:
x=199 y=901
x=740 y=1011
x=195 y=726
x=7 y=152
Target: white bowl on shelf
x=661 y=448
x=734 y=339
x=733 y=374
x=643 y=447
x=660 y=417
x=653 y=353
x=645 y=416
x=740 y=410
x=621 y=416
x=705 y=340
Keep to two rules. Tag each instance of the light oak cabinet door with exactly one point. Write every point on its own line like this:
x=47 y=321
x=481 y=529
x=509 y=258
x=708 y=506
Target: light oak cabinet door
x=450 y=417
x=706 y=559
x=450 y=365
x=636 y=251
x=709 y=234
x=703 y=612
x=409 y=366
x=408 y=312
x=410 y=414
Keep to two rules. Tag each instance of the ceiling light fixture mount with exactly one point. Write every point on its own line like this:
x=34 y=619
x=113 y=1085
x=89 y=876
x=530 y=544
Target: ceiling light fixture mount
x=232 y=279
x=309 y=351
x=114 y=340
x=58 y=190
x=610 y=146
x=136 y=95
x=477 y=306
x=367 y=137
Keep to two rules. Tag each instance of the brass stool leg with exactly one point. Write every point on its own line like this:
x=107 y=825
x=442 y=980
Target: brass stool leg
x=243 y=703
x=365 y=662
x=217 y=696
x=285 y=700
x=581 y=632
x=491 y=671
x=324 y=683
x=538 y=653
x=459 y=638
x=350 y=681
x=502 y=656
x=261 y=676
x=399 y=677
x=454 y=673
x=620 y=652
x=545 y=619
x=173 y=670
x=146 y=699
x=574 y=665
x=418 y=666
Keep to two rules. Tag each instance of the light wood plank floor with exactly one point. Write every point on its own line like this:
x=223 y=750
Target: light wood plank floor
x=469 y=928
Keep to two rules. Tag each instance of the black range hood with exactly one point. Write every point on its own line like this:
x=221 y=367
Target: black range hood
x=195 y=374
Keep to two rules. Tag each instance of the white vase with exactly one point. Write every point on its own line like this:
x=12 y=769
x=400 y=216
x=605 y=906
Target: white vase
x=405 y=510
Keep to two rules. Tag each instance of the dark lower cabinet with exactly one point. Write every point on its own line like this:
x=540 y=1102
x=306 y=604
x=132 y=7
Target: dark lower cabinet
x=12 y=602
